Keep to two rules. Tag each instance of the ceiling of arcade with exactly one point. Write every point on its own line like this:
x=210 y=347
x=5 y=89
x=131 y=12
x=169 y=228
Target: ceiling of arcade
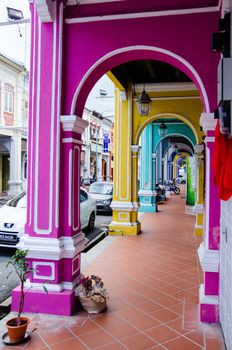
x=93 y=8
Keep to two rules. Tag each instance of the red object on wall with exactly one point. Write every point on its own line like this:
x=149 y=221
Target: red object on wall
x=222 y=164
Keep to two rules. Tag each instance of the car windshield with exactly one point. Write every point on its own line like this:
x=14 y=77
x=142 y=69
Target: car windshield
x=19 y=201
x=101 y=188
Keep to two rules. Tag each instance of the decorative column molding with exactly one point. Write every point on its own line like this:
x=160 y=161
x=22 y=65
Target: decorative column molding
x=46 y=10
x=125 y=198
x=52 y=232
x=208 y=124
x=73 y=123
x=209 y=249
x=53 y=248
x=199 y=206
x=135 y=149
x=146 y=193
x=209 y=259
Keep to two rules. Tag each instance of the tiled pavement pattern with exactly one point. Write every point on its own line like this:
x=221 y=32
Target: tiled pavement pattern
x=153 y=282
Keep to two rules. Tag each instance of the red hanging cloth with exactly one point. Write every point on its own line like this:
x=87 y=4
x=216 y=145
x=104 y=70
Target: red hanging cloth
x=222 y=164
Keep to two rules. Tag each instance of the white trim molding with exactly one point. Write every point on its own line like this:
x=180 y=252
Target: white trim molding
x=53 y=248
x=142 y=15
x=36 y=264
x=147 y=193
x=198 y=226
x=127 y=206
x=208 y=122
x=209 y=139
x=135 y=148
x=51 y=287
x=45 y=9
x=207 y=299
x=73 y=123
x=120 y=223
x=199 y=208
x=209 y=259
x=166 y=87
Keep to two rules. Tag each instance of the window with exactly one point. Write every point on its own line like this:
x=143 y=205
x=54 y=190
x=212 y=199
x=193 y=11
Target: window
x=83 y=196
x=8 y=98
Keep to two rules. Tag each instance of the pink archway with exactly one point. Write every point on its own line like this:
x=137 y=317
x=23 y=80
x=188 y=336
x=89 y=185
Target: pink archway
x=126 y=54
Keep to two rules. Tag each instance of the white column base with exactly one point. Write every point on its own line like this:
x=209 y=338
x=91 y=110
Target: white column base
x=209 y=259
x=15 y=187
x=207 y=299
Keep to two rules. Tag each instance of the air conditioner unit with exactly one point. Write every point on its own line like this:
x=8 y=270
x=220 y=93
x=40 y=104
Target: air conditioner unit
x=225 y=80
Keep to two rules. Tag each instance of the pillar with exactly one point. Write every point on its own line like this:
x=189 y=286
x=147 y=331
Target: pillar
x=99 y=164
x=209 y=248
x=108 y=166
x=147 y=192
x=87 y=161
x=198 y=229
x=125 y=199
x=52 y=232
x=15 y=181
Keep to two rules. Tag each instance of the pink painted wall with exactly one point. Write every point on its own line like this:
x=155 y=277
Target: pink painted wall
x=211 y=283
x=188 y=36
x=43 y=153
x=214 y=208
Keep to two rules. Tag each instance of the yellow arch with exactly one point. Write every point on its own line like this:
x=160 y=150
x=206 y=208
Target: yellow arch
x=166 y=116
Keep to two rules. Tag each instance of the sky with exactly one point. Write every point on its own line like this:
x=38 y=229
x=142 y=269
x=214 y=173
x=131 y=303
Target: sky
x=17 y=46
x=11 y=43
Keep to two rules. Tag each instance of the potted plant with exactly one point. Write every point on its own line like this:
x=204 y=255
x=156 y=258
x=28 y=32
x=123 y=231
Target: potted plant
x=91 y=293
x=17 y=326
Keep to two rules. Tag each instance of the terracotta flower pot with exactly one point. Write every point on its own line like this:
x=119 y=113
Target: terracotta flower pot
x=17 y=333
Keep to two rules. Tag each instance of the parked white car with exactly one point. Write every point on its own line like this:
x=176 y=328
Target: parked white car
x=13 y=217
x=102 y=192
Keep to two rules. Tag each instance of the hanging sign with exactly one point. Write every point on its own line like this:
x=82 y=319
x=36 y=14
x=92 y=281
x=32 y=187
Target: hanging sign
x=106 y=142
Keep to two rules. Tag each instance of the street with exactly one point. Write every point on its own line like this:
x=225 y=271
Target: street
x=6 y=285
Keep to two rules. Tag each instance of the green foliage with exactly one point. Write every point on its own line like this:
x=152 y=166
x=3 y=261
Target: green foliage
x=19 y=262
x=22 y=269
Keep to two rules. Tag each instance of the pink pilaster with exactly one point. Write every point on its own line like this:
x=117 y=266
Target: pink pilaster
x=52 y=233
x=209 y=248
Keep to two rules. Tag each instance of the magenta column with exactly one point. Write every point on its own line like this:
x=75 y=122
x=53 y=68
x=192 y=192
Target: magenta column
x=52 y=231
x=209 y=248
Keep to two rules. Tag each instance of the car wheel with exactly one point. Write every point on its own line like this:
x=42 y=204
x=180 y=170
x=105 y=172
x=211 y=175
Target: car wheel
x=91 y=223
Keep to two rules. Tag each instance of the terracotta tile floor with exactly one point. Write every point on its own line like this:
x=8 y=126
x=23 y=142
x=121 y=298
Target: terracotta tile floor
x=153 y=282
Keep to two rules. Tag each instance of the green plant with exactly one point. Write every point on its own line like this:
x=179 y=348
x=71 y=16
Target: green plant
x=91 y=287
x=22 y=269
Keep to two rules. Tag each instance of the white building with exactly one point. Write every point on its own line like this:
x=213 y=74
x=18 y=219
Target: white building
x=14 y=80
x=97 y=149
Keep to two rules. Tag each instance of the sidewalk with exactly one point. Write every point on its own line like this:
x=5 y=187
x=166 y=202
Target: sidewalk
x=153 y=282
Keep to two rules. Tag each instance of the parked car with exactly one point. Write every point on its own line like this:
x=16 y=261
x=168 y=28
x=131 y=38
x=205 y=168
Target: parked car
x=102 y=192
x=13 y=217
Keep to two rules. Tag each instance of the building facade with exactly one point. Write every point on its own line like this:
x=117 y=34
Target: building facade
x=97 y=148
x=176 y=35
x=14 y=94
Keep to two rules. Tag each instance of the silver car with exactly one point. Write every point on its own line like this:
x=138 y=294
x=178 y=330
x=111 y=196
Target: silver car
x=102 y=192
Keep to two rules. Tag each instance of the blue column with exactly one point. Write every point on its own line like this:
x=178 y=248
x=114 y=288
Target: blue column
x=146 y=192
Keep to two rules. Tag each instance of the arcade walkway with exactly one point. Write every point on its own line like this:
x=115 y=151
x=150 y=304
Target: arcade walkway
x=153 y=282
